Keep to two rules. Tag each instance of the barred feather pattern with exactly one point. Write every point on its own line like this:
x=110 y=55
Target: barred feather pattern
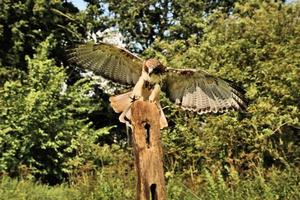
x=197 y=91
x=192 y=90
x=111 y=62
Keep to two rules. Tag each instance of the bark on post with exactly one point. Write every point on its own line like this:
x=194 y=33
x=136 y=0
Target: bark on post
x=148 y=151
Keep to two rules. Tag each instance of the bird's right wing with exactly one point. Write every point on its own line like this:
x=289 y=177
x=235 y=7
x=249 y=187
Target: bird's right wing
x=197 y=91
x=109 y=61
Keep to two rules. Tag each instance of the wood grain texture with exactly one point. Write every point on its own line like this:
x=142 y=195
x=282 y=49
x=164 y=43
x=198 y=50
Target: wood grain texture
x=148 y=151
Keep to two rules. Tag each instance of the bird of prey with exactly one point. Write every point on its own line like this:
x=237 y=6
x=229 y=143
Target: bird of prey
x=191 y=89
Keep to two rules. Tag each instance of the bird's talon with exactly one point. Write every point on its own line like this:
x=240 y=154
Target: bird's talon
x=134 y=98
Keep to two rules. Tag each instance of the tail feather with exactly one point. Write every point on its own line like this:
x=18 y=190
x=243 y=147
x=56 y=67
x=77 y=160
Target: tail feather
x=122 y=104
x=162 y=121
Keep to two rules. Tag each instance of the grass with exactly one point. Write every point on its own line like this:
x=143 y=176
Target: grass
x=108 y=185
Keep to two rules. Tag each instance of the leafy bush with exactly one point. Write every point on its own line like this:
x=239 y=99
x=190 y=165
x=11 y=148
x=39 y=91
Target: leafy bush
x=41 y=130
x=114 y=180
x=44 y=125
x=26 y=23
x=257 y=48
x=118 y=184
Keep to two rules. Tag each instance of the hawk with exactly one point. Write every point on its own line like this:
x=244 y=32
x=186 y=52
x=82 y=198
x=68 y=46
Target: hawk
x=191 y=89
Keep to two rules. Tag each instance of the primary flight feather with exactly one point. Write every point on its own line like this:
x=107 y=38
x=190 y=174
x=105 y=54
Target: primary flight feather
x=193 y=90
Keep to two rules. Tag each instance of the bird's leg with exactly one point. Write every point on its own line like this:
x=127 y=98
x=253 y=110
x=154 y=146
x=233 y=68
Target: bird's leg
x=155 y=93
x=137 y=92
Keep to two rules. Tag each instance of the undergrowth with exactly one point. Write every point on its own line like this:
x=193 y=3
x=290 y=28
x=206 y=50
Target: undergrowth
x=109 y=185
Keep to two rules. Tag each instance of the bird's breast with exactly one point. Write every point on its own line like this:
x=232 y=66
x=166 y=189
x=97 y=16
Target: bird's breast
x=155 y=79
x=148 y=85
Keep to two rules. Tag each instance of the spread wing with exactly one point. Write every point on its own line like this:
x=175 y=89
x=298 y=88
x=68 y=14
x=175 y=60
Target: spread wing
x=200 y=92
x=109 y=61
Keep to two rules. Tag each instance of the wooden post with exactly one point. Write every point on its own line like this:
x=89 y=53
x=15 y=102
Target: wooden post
x=148 y=151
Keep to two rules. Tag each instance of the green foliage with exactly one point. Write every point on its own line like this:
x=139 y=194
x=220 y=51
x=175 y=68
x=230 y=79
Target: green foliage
x=24 y=24
x=256 y=47
x=41 y=131
x=143 y=22
x=115 y=180
x=14 y=189
x=119 y=185
x=46 y=113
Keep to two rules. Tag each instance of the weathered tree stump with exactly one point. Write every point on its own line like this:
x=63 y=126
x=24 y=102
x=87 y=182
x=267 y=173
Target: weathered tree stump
x=148 y=151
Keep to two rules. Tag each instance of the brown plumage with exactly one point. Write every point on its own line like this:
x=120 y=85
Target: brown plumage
x=192 y=90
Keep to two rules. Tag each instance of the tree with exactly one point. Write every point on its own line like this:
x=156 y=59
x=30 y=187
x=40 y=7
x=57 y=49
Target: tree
x=257 y=47
x=142 y=22
x=25 y=24
x=255 y=44
x=41 y=128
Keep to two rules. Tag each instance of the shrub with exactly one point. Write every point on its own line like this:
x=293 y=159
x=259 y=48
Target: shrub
x=256 y=47
x=41 y=129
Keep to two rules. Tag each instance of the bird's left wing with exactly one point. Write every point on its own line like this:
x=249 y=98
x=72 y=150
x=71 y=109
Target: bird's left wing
x=197 y=91
x=109 y=61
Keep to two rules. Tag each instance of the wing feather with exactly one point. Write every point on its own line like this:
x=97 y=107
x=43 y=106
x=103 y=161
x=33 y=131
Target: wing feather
x=200 y=92
x=109 y=61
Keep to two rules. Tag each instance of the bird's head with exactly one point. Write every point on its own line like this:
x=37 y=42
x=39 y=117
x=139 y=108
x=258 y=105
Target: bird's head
x=153 y=66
